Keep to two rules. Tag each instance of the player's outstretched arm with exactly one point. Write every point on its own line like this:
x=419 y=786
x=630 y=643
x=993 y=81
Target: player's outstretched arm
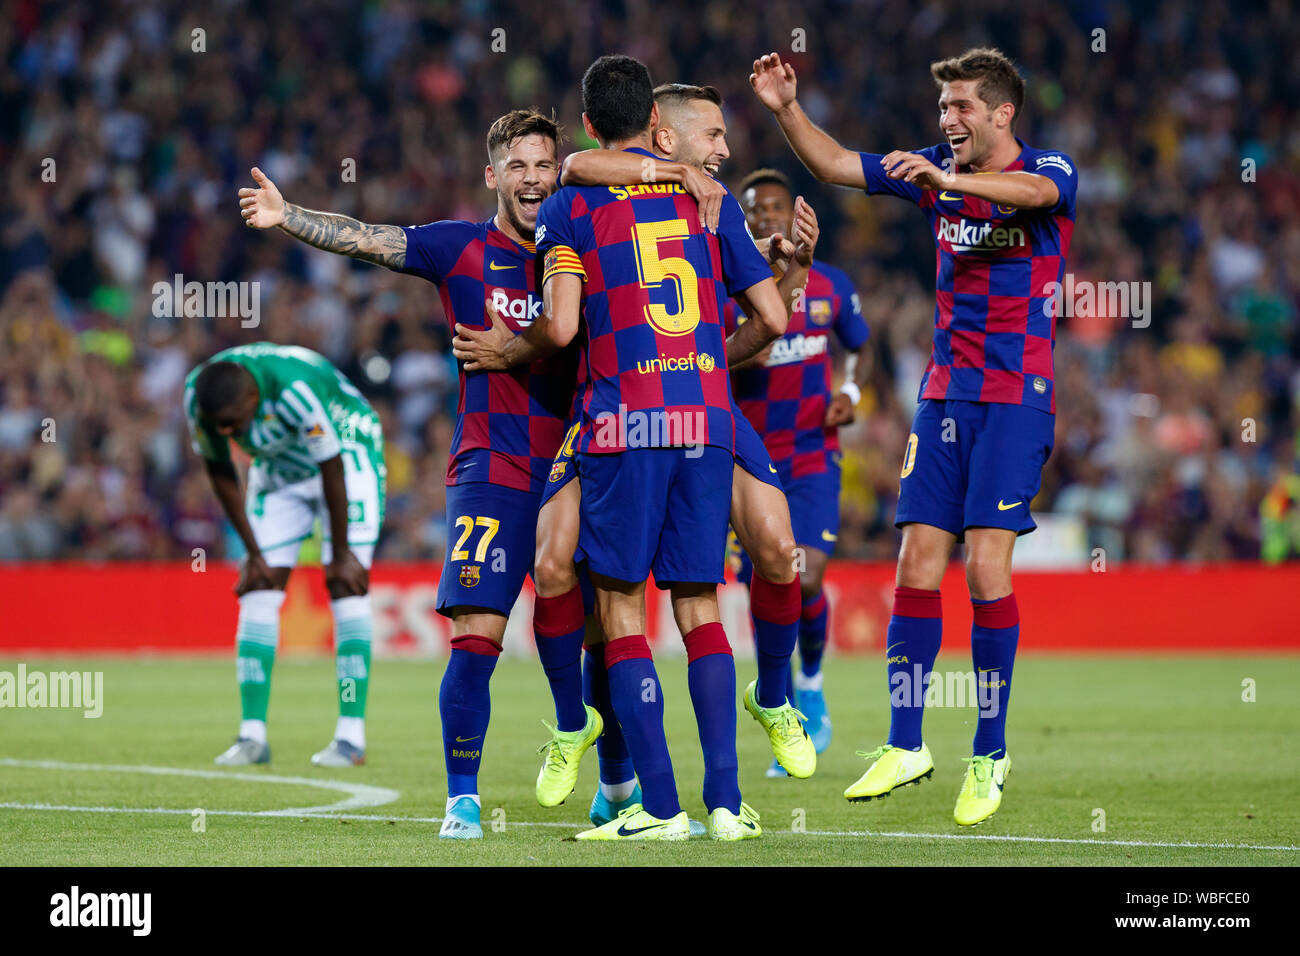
x=768 y=320
x=345 y=575
x=774 y=83
x=255 y=575
x=608 y=167
x=265 y=208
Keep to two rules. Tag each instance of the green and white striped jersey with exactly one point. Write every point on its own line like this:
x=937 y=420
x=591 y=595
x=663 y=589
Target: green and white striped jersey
x=308 y=413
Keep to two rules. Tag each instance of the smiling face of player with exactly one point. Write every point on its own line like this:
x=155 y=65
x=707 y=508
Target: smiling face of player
x=973 y=129
x=523 y=173
x=695 y=133
x=769 y=208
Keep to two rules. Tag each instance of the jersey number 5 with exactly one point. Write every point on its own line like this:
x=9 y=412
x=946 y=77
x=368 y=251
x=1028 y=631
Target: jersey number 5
x=467 y=523
x=654 y=270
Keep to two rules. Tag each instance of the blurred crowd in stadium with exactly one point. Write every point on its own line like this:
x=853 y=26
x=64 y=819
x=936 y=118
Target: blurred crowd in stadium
x=1175 y=441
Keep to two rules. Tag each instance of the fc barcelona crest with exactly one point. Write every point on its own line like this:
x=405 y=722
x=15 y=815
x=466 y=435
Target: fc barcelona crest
x=819 y=310
x=469 y=575
x=557 y=470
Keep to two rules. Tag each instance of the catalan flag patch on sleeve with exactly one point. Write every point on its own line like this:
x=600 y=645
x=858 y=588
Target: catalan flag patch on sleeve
x=562 y=260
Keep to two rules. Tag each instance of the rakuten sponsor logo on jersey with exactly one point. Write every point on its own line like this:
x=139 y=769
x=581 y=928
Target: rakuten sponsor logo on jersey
x=796 y=348
x=522 y=310
x=965 y=235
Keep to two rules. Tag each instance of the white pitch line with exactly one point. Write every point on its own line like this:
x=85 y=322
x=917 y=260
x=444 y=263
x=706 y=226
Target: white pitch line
x=360 y=795
x=378 y=818
x=364 y=795
x=1031 y=839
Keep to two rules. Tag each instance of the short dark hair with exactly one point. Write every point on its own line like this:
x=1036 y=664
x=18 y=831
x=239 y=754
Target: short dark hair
x=760 y=177
x=999 y=80
x=519 y=123
x=617 y=96
x=675 y=94
x=221 y=385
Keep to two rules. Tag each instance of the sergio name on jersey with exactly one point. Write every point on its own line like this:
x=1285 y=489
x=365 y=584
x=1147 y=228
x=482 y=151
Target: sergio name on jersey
x=654 y=286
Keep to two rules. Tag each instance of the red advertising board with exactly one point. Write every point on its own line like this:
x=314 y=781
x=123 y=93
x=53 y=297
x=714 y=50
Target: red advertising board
x=59 y=608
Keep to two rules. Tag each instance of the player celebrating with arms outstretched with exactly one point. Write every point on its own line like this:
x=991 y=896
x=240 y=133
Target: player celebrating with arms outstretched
x=1002 y=214
x=509 y=425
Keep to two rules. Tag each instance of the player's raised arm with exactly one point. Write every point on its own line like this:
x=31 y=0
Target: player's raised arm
x=774 y=83
x=609 y=167
x=265 y=208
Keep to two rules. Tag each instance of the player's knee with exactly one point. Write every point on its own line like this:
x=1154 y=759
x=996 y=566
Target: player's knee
x=778 y=559
x=919 y=568
x=553 y=575
x=987 y=578
x=810 y=579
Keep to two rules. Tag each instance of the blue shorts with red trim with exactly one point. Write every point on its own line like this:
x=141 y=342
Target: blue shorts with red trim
x=974 y=465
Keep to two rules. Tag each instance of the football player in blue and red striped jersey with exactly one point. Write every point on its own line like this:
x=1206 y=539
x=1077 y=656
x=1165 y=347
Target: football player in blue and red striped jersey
x=1002 y=214
x=655 y=444
x=509 y=424
x=785 y=393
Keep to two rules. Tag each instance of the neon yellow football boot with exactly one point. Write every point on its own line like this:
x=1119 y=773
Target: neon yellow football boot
x=893 y=767
x=559 y=773
x=791 y=745
x=727 y=826
x=635 y=823
x=981 y=791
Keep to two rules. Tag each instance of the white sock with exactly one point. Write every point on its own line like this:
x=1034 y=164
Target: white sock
x=617 y=792
x=803 y=682
x=353 y=730
x=462 y=796
x=253 y=730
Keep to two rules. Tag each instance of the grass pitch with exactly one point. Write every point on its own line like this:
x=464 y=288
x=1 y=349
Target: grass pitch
x=1159 y=750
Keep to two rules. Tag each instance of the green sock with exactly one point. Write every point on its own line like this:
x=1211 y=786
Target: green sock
x=255 y=644
x=352 y=630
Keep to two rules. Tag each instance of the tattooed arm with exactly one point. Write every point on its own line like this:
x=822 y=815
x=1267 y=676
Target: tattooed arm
x=265 y=208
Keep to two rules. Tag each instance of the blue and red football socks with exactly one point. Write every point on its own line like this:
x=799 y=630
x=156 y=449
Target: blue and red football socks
x=812 y=634
x=559 y=626
x=994 y=634
x=775 y=611
x=711 y=676
x=611 y=749
x=911 y=645
x=638 y=700
x=466 y=706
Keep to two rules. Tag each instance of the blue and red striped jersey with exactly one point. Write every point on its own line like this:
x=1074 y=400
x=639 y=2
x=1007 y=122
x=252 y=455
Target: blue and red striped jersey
x=654 y=287
x=994 y=330
x=785 y=398
x=509 y=424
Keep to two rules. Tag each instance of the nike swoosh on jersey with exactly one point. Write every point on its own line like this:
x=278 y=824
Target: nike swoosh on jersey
x=827 y=536
x=496 y=268
x=771 y=467
x=892 y=646
x=1004 y=507
x=465 y=740
x=948 y=197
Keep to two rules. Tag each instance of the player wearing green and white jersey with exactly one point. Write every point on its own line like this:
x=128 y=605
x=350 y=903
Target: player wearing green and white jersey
x=317 y=451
